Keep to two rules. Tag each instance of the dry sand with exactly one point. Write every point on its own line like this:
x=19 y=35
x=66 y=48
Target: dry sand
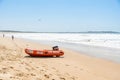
x=16 y=65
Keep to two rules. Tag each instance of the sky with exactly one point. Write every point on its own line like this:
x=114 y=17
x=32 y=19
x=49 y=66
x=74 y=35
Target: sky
x=60 y=15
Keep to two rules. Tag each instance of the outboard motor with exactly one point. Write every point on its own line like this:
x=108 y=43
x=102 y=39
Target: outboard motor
x=55 y=48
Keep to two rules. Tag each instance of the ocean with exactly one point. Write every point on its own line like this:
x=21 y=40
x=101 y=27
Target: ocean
x=101 y=45
x=100 y=39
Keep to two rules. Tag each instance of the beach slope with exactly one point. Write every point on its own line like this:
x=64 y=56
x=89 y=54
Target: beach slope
x=16 y=65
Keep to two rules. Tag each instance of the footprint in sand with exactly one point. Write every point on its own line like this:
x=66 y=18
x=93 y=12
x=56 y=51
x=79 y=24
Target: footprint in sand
x=73 y=78
x=27 y=69
x=4 y=68
x=81 y=69
x=37 y=67
x=41 y=70
x=20 y=74
x=67 y=65
x=76 y=67
x=62 y=78
x=55 y=69
x=47 y=76
x=12 y=77
x=11 y=67
x=68 y=74
x=33 y=74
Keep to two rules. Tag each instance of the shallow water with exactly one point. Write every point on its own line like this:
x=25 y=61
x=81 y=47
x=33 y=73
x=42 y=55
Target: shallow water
x=111 y=54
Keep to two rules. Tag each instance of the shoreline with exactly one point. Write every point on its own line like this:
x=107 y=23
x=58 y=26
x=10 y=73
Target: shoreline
x=106 y=40
x=106 y=53
x=15 y=64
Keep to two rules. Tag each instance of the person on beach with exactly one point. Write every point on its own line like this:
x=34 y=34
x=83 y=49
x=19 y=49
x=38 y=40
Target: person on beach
x=3 y=35
x=12 y=37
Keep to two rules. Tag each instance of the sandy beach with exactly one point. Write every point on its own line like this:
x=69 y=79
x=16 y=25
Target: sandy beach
x=16 y=65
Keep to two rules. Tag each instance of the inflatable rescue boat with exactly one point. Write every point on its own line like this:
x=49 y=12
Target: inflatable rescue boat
x=45 y=53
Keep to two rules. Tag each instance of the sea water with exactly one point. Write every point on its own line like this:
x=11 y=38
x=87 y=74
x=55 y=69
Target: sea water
x=101 y=45
x=106 y=39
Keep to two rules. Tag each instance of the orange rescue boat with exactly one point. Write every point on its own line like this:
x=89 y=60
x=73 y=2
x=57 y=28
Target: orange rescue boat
x=45 y=53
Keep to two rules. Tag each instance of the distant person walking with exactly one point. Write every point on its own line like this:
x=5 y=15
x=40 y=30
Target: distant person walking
x=12 y=37
x=3 y=35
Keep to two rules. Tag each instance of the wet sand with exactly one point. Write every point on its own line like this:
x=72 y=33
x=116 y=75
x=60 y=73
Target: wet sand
x=16 y=65
x=107 y=53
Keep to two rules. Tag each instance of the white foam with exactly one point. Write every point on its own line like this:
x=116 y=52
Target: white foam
x=106 y=40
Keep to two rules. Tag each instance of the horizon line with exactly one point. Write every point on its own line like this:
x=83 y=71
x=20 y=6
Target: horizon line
x=59 y=31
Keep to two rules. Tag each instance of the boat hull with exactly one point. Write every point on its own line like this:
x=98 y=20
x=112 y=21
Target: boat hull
x=44 y=53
